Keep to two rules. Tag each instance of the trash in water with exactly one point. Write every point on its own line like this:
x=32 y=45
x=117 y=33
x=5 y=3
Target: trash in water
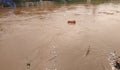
x=71 y=22
x=28 y=65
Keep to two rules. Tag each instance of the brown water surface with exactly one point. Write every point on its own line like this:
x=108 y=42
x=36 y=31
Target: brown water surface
x=42 y=37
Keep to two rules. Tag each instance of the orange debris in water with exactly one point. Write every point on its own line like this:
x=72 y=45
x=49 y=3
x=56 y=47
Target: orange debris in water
x=71 y=22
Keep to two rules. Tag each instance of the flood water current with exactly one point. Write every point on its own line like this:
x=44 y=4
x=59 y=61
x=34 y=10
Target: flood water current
x=40 y=38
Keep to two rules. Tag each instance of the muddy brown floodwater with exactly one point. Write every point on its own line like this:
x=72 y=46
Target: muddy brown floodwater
x=46 y=41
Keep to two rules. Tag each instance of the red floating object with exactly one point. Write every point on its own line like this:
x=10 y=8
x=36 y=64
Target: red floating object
x=71 y=22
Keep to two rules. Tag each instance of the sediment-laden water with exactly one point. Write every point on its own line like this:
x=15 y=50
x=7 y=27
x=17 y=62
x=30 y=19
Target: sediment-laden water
x=40 y=38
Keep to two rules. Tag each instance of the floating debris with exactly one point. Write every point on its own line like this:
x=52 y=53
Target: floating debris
x=71 y=22
x=87 y=51
x=114 y=61
x=107 y=13
x=28 y=65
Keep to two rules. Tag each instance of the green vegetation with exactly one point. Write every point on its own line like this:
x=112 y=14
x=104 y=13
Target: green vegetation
x=25 y=0
x=69 y=1
x=85 y=1
x=19 y=0
x=99 y=1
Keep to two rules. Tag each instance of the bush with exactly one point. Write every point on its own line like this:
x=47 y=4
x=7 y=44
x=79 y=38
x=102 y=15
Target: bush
x=69 y=1
x=18 y=0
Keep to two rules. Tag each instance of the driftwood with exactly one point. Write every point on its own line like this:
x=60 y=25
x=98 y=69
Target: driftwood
x=114 y=61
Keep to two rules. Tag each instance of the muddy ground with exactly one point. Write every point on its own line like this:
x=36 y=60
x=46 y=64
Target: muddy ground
x=43 y=40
